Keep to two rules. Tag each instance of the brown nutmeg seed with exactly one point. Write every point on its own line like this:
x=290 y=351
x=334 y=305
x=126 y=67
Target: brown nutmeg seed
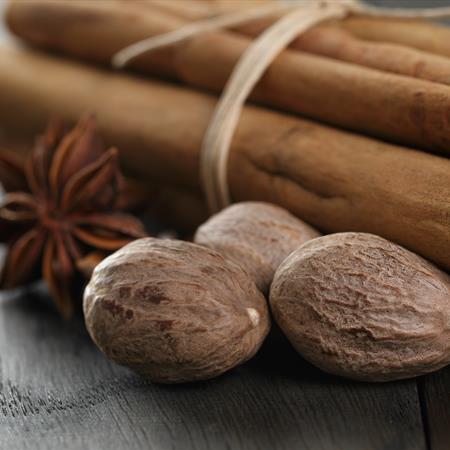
x=256 y=235
x=174 y=311
x=357 y=305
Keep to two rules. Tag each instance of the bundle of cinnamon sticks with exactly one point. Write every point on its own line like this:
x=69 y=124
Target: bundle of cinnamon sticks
x=353 y=132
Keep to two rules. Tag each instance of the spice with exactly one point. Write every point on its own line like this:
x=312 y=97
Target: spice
x=362 y=307
x=59 y=206
x=426 y=35
x=421 y=34
x=396 y=108
x=174 y=311
x=256 y=235
x=332 y=179
x=392 y=53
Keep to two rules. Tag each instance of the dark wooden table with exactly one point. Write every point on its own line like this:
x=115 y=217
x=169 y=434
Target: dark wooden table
x=57 y=391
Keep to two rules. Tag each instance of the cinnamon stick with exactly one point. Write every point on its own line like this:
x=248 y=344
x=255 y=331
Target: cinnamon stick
x=333 y=179
x=199 y=9
x=339 y=41
x=396 y=108
x=429 y=36
x=424 y=35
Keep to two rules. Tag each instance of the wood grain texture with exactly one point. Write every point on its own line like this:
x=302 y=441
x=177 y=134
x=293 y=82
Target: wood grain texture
x=435 y=396
x=58 y=391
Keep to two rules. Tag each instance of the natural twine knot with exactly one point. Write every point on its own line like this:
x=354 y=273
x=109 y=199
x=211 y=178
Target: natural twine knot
x=297 y=18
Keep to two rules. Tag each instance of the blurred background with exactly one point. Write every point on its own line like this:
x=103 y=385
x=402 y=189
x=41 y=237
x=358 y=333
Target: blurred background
x=3 y=34
x=405 y=3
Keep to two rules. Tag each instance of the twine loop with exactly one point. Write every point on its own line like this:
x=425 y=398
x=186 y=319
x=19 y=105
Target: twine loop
x=296 y=19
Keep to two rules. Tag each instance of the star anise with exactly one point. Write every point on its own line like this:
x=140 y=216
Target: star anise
x=61 y=206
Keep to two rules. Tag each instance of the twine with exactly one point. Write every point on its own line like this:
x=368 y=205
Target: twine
x=297 y=18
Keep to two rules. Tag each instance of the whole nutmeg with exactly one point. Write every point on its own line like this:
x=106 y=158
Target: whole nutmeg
x=256 y=235
x=357 y=305
x=174 y=311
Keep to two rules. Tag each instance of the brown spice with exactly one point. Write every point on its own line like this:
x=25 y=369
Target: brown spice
x=334 y=180
x=59 y=206
x=256 y=235
x=359 y=306
x=377 y=103
x=153 y=307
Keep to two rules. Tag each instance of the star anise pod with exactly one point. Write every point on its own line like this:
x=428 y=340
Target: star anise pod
x=60 y=207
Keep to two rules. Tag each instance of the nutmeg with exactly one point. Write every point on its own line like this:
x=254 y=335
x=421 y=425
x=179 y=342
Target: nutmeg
x=357 y=305
x=256 y=235
x=174 y=311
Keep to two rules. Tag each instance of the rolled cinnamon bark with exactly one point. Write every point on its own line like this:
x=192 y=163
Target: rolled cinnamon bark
x=424 y=35
x=335 y=180
x=337 y=41
x=429 y=36
x=396 y=108
x=199 y=9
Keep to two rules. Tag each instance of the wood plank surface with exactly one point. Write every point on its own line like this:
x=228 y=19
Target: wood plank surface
x=58 y=391
x=435 y=396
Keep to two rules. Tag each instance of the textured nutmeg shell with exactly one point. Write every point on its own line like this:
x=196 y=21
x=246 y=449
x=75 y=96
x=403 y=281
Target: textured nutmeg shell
x=174 y=311
x=362 y=307
x=256 y=235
